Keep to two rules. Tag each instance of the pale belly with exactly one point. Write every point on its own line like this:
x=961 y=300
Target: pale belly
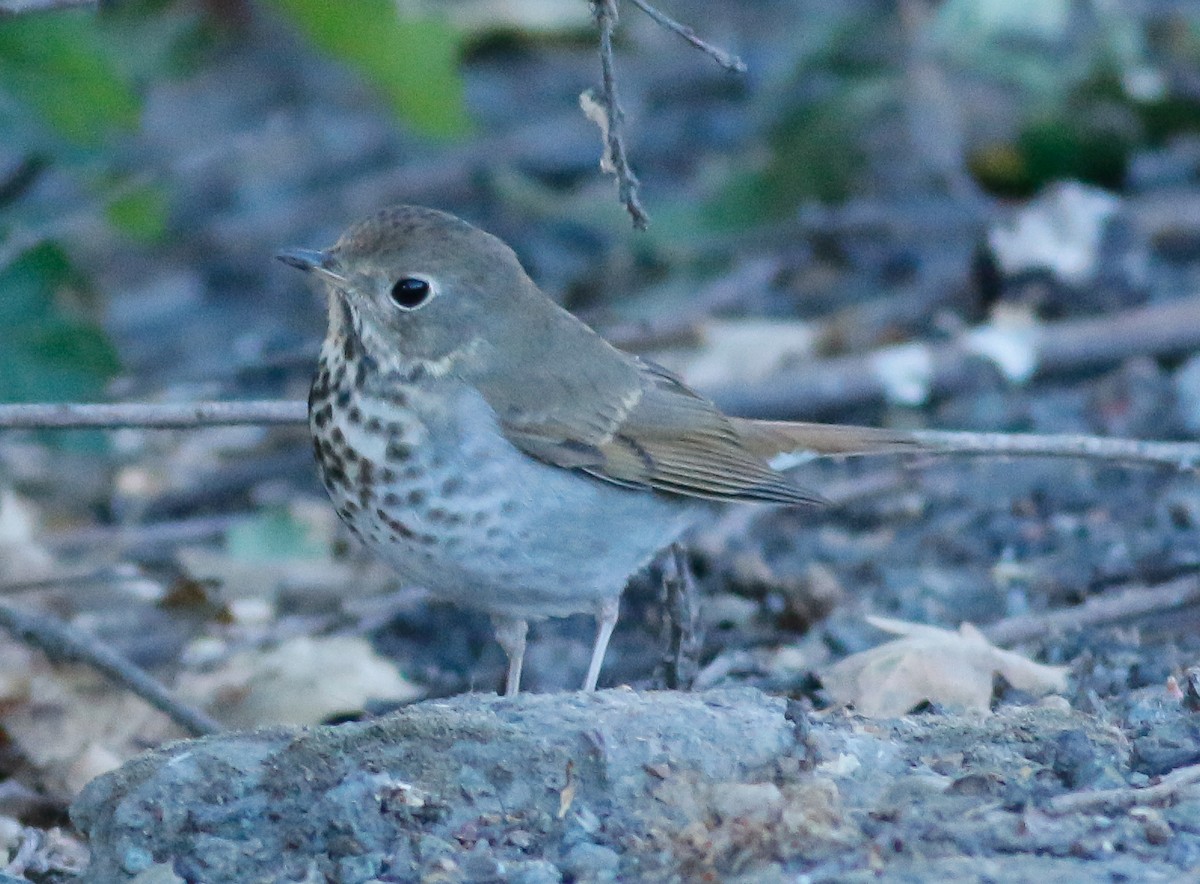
x=443 y=497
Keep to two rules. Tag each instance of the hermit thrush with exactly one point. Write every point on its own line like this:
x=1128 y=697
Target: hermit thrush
x=496 y=450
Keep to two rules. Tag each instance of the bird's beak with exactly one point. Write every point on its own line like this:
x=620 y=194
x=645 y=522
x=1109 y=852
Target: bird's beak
x=312 y=261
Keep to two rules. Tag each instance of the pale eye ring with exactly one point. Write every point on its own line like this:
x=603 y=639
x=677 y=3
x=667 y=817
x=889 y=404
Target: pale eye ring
x=410 y=292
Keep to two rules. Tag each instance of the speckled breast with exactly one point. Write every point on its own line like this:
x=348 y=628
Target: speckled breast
x=365 y=447
x=423 y=475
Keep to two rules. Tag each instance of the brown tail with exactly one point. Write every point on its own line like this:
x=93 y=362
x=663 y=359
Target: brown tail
x=770 y=438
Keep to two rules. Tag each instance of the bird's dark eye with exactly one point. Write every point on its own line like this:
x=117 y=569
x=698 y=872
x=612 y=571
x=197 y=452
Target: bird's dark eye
x=410 y=292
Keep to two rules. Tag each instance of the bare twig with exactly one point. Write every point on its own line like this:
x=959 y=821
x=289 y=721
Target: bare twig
x=150 y=416
x=1112 y=607
x=604 y=109
x=75 y=578
x=616 y=158
x=62 y=642
x=916 y=372
x=176 y=416
x=142 y=537
x=682 y=632
x=19 y=7
x=720 y=56
x=1182 y=456
x=1166 y=789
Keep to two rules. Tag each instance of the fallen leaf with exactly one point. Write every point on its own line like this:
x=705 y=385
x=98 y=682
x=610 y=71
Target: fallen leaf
x=22 y=557
x=304 y=680
x=70 y=724
x=953 y=669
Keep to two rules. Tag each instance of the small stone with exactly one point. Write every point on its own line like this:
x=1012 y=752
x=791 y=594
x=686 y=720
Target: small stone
x=159 y=873
x=537 y=871
x=136 y=859
x=1156 y=829
x=757 y=802
x=432 y=847
x=519 y=838
x=587 y=862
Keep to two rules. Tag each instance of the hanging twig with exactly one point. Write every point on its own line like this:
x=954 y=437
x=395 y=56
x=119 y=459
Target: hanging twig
x=606 y=111
x=62 y=642
x=720 y=56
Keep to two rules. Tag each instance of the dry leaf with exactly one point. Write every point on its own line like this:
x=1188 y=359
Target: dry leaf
x=21 y=555
x=953 y=669
x=1062 y=231
x=305 y=680
x=70 y=723
x=595 y=111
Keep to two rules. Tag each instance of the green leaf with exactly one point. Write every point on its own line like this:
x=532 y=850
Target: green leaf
x=45 y=353
x=141 y=213
x=27 y=284
x=412 y=61
x=57 y=67
x=816 y=154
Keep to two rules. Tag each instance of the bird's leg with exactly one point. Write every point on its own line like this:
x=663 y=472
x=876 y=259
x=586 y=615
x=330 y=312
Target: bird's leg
x=510 y=633
x=606 y=619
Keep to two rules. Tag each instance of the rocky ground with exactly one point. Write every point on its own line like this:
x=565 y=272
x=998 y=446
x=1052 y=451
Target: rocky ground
x=729 y=785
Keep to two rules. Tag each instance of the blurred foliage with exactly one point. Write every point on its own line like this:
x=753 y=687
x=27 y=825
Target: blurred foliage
x=1090 y=88
x=1044 y=90
x=72 y=80
x=413 y=61
x=839 y=89
x=49 y=352
x=140 y=211
x=57 y=71
x=71 y=85
x=273 y=533
x=814 y=156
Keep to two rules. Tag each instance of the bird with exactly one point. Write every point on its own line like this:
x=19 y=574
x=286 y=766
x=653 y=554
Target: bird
x=497 y=451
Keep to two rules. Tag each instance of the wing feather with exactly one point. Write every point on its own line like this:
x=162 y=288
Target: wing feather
x=650 y=432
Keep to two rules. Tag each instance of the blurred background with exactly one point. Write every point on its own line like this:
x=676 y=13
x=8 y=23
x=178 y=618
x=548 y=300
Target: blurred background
x=885 y=172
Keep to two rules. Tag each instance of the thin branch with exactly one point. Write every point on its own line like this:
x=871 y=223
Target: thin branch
x=720 y=56
x=682 y=633
x=141 y=537
x=917 y=372
x=150 y=416
x=63 y=642
x=1183 y=456
x=177 y=416
x=1112 y=607
x=616 y=158
x=1166 y=789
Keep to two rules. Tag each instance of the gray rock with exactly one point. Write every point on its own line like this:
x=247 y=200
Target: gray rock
x=438 y=787
x=624 y=786
x=592 y=863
